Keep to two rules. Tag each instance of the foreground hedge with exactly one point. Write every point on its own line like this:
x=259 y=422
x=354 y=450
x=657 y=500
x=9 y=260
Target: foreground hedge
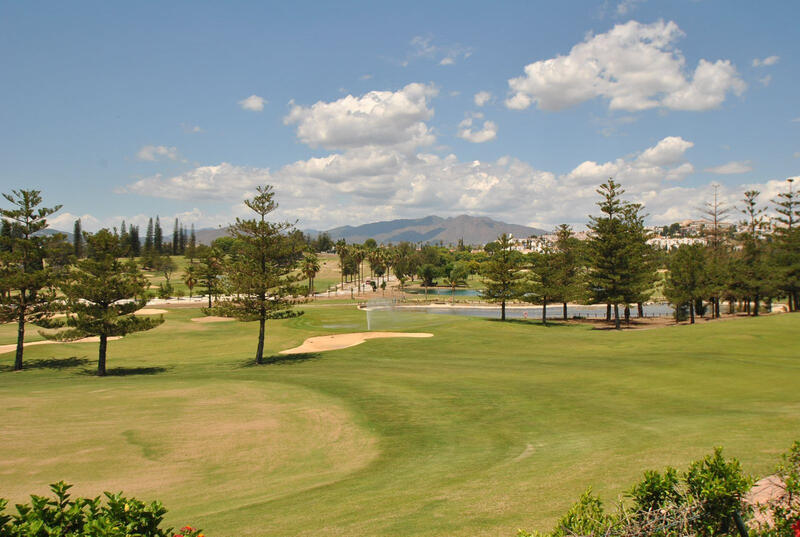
x=707 y=500
x=62 y=516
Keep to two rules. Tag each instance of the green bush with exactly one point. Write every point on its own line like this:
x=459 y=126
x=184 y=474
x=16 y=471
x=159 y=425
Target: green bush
x=86 y=517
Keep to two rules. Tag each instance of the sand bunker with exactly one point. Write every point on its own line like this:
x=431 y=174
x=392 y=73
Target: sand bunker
x=149 y=311
x=342 y=341
x=94 y=339
x=212 y=319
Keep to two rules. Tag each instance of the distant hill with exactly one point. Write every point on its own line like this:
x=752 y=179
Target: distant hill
x=207 y=235
x=433 y=229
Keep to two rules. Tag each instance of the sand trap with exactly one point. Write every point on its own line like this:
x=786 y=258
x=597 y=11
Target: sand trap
x=212 y=319
x=149 y=311
x=94 y=339
x=342 y=341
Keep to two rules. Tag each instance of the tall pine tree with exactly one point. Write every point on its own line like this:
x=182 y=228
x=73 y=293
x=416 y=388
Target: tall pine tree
x=26 y=283
x=158 y=237
x=503 y=274
x=787 y=244
x=77 y=238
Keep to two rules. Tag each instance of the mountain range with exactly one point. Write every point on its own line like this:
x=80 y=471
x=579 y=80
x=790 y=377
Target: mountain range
x=430 y=229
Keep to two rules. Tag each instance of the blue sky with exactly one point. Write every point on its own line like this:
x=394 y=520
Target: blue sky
x=361 y=111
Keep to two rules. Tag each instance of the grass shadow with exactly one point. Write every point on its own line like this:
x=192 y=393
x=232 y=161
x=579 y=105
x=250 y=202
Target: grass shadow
x=127 y=371
x=50 y=363
x=282 y=359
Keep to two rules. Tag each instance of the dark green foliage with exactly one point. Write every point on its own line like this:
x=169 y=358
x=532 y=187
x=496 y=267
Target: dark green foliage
x=158 y=237
x=504 y=279
x=585 y=517
x=656 y=490
x=77 y=239
x=26 y=282
x=260 y=270
x=688 y=280
x=719 y=485
x=702 y=502
x=101 y=295
x=622 y=271
x=543 y=284
x=63 y=516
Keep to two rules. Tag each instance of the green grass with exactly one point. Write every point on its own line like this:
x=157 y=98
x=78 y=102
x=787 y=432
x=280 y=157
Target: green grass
x=482 y=429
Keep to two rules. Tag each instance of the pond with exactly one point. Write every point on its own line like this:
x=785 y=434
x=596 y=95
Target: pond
x=443 y=291
x=535 y=312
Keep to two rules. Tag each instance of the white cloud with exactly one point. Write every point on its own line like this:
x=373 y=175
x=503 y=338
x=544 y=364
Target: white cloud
x=253 y=103
x=482 y=97
x=765 y=80
x=378 y=118
x=66 y=222
x=625 y=6
x=635 y=66
x=447 y=54
x=769 y=60
x=486 y=133
x=373 y=183
x=224 y=181
x=191 y=129
x=731 y=168
x=152 y=153
x=668 y=151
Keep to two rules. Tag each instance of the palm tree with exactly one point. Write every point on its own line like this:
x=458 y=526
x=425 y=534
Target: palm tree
x=310 y=267
x=190 y=278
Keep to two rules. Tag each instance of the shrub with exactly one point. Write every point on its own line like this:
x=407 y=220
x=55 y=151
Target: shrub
x=86 y=517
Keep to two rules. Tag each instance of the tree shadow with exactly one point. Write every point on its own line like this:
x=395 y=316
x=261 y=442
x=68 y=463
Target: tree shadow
x=552 y=323
x=127 y=371
x=282 y=359
x=49 y=363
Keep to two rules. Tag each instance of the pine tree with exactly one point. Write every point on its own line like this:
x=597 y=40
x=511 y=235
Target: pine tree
x=621 y=269
x=716 y=211
x=542 y=285
x=176 y=238
x=503 y=275
x=568 y=262
x=787 y=244
x=158 y=237
x=135 y=244
x=262 y=276
x=102 y=296
x=191 y=246
x=182 y=245
x=77 y=239
x=688 y=278
x=753 y=271
x=149 y=237
x=209 y=270
x=26 y=283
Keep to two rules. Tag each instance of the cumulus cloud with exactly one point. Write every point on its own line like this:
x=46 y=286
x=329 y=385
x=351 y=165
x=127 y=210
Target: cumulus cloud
x=152 y=153
x=223 y=181
x=484 y=134
x=482 y=97
x=635 y=66
x=253 y=103
x=731 y=168
x=373 y=183
x=769 y=60
x=378 y=118
x=191 y=129
x=765 y=80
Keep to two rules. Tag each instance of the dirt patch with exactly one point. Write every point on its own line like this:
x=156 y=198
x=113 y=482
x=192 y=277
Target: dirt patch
x=150 y=311
x=212 y=319
x=342 y=341
x=94 y=339
x=765 y=491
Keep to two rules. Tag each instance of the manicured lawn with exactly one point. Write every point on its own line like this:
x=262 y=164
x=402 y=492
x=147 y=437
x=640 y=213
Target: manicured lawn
x=480 y=430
